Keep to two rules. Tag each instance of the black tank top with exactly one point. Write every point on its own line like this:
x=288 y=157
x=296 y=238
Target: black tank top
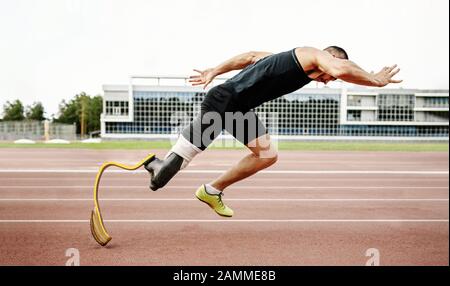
x=267 y=79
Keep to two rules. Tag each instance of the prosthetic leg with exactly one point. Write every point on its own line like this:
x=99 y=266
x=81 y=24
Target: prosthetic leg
x=98 y=229
x=162 y=171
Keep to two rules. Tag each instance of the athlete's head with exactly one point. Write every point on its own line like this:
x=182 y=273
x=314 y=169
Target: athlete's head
x=336 y=52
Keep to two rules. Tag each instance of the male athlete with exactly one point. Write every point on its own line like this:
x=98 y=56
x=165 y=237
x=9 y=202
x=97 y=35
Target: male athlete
x=264 y=77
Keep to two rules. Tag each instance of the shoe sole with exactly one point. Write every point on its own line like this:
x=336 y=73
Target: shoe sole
x=212 y=207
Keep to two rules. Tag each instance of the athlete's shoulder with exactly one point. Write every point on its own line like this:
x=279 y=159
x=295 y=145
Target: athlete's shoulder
x=307 y=50
x=307 y=57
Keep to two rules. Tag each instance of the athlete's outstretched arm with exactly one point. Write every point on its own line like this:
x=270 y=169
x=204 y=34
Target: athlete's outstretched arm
x=350 y=72
x=236 y=63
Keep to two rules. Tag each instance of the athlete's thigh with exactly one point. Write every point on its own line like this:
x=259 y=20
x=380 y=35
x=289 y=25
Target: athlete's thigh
x=244 y=126
x=204 y=129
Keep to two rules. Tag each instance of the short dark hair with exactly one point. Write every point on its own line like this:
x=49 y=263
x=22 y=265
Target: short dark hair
x=340 y=51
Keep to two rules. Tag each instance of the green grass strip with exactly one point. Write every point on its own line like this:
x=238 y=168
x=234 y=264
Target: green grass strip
x=282 y=145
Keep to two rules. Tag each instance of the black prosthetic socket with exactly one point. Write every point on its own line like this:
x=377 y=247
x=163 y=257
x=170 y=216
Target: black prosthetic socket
x=161 y=171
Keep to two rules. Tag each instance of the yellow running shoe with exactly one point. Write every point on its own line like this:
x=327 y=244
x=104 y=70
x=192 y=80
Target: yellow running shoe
x=214 y=201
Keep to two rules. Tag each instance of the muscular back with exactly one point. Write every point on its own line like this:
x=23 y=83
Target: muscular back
x=267 y=79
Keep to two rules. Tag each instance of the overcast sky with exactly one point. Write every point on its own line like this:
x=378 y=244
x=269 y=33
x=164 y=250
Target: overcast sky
x=52 y=49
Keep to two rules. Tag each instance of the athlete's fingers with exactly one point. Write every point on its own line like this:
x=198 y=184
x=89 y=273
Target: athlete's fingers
x=393 y=73
x=395 y=80
x=199 y=71
x=198 y=82
x=392 y=68
x=207 y=83
x=198 y=78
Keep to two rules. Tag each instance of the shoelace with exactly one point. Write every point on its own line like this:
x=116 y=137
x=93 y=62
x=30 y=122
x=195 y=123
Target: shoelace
x=219 y=200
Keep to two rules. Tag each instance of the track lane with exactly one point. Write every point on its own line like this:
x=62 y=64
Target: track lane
x=212 y=240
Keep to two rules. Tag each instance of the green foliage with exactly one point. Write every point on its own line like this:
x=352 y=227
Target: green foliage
x=35 y=112
x=93 y=113
x=13 y=111
x=71 y=112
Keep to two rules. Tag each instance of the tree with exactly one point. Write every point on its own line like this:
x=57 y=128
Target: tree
x=68 y=112
x=35 y=112
x=94 y=111
x=83 y=110
x=13 y=111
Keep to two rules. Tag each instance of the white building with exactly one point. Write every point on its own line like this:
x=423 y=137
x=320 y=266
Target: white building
x=162 y=108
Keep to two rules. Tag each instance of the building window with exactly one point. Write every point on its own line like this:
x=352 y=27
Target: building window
x=294 y=114
x=394 y=131
x=354 y=100
x=117 y=108
x=439 y=102
x=166 y=112
x=396 y=107
x=354 y=115
x=435 y=116
x=302 y=114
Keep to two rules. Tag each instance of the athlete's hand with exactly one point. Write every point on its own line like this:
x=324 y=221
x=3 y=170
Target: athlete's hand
x=204 y=77
x=384 y=77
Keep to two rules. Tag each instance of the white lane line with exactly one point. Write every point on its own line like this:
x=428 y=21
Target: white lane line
x=325 y=172
x=37 y=187
x=228 y=199
x=238 y=221
x=51 y=177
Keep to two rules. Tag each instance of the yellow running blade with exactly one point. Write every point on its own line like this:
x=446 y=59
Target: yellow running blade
x=98 y=229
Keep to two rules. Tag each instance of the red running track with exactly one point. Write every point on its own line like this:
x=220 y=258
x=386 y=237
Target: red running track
x=311 y=208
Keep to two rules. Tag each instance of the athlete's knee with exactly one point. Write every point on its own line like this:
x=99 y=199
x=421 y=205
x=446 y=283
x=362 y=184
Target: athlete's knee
x=269 y=158
x=264 y=150
x=273 y=158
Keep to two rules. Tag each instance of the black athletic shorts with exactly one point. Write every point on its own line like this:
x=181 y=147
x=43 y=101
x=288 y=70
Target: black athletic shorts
x=221 y=111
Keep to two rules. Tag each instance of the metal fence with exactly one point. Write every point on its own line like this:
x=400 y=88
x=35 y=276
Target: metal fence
x=36 y=130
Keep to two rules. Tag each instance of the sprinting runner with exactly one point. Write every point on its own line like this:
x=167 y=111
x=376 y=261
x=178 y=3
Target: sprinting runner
x=264 y=77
